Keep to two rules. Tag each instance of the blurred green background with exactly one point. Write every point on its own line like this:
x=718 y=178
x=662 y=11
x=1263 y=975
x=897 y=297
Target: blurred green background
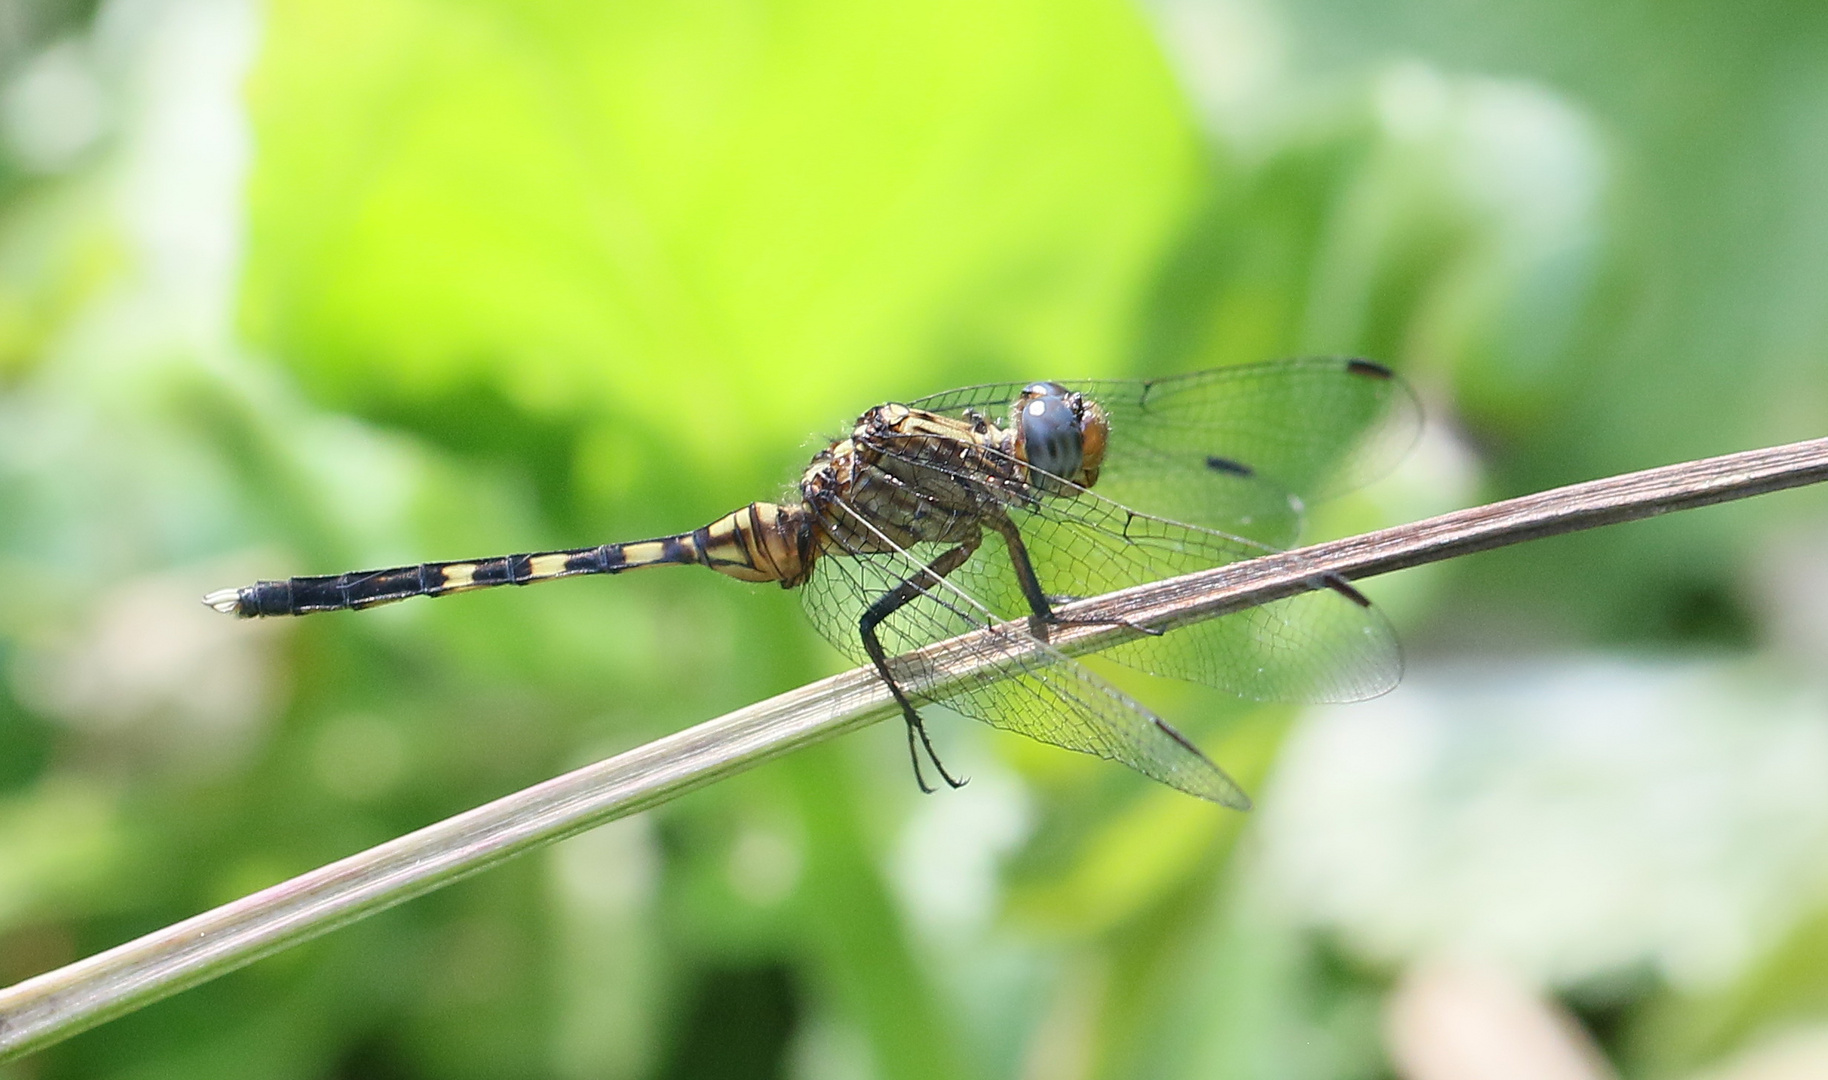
x=311 y=286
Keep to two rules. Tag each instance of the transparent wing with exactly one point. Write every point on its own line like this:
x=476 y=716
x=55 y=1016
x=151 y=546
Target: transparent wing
x=1030 y=688
x=1241 y=449
x=1320 y=646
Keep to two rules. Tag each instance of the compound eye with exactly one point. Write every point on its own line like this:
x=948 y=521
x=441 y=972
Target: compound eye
x=1050 y=437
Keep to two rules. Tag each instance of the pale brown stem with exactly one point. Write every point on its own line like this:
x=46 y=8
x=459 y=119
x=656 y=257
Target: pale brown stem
x=53 y=1006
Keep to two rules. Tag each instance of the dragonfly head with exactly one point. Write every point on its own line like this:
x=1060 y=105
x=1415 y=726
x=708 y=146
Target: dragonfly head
x=1061 y=432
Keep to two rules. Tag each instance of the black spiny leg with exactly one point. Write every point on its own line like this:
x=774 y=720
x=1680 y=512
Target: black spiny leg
x=887 y=604
x=1041 y=611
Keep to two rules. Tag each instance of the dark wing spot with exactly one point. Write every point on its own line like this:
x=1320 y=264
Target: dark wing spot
x=1344 y=588
x=1368 y=369
x=1227 y=465
x=1169 y=730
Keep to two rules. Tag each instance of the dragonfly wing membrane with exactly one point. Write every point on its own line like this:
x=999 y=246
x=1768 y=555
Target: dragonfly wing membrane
x=1319 y=646
x=1314 y=427
x=1060 y=701
x=1314 y=648
x=1243 y=448
x=1019 y=684
x=1246 y=505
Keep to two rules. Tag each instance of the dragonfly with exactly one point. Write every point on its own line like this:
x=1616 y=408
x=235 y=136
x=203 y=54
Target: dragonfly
x=988 y=508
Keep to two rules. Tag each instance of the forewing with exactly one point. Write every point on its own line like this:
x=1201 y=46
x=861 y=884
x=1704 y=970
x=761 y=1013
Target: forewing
x=1022 y=685
x=1315 y=427
x=991 y=400
x=1240 y=449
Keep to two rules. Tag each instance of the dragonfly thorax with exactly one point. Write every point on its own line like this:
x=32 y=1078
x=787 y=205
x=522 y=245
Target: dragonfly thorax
x=905 y=477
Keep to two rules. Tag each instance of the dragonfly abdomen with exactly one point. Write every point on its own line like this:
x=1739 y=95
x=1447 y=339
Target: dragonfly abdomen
x=367 y=588
x=761 y=542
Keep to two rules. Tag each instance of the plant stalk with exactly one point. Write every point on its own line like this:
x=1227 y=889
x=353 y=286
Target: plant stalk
x=57 y=1004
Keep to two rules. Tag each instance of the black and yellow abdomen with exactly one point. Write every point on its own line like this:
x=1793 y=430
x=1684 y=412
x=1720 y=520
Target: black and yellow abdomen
x=761 y=542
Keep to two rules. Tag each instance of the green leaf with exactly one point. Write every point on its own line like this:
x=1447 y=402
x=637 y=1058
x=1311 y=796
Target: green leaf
x=733 y=220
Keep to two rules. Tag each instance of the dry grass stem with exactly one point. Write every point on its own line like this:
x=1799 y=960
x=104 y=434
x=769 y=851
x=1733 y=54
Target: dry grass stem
x=53 y=1006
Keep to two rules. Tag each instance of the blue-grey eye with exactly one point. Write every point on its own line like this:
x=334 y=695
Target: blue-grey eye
x=1051 y=436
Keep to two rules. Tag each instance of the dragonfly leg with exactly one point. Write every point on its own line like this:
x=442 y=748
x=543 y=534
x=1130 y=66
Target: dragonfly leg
x=914 y=757
x=1040 y=605
x=1041 y=613
x=1056 y=600
x=887 y=604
